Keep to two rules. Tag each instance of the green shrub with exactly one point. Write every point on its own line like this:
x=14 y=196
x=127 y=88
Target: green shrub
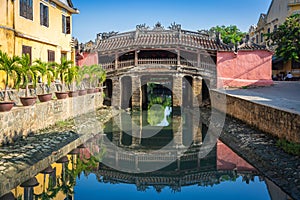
x=289 y=147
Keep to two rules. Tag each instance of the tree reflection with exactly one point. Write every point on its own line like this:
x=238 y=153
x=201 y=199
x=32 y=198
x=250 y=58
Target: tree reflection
x=159 y=105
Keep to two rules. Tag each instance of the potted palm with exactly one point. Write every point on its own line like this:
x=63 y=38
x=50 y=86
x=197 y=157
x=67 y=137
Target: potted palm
x=72 y=75
x=29 y=73
x=11 y=68
x=99 y=77
x=80 y=80
x=61 y=75
x=91 y=76
x=47 y=74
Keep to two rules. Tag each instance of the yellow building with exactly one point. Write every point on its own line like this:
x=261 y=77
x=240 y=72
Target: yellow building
x=41 y=28
x=278 y=11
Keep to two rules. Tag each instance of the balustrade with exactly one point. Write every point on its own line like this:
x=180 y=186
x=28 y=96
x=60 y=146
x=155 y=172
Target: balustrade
x=148 y=61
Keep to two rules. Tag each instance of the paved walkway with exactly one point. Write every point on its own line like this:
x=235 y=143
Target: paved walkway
x=283 y=94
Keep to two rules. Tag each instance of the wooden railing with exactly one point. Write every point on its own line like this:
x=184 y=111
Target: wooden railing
x=170 y=62
x=126 y=63
x=157 y=61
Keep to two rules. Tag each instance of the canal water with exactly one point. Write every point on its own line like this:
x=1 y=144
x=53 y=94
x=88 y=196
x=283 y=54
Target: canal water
x=154 y=154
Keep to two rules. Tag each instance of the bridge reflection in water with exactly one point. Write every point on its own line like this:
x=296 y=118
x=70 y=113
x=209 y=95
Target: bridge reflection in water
x=130 y=154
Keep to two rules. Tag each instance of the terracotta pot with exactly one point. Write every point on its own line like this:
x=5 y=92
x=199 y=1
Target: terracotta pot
x=90 y=90
x=61 y=95
x=6 y=106
x=28 y=101
x=45 y=97
x=97 y=90
x=73 y=93
x=81 y=92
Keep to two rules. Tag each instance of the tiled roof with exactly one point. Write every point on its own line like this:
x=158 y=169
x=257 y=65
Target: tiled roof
x=251 y=46
x=67 y=2
x=160 y=39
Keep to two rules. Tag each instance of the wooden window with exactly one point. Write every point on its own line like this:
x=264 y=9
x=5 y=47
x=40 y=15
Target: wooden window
x=27 y=50
x=261 y=37
x=63 y=55
x=26 y=9
x=66 y=24
x=44 y=15
x=295 y=65
x=275 y=27
x=51 y=56
x=256 y=39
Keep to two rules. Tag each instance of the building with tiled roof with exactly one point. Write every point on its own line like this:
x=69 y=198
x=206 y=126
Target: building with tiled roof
x=277 y=13
x=168 y=53
x=42 y=29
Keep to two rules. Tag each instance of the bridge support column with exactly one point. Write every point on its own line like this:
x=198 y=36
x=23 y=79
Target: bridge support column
x=136 y=129
x=197 y=131
x=115 y=101
x=177 y=92
x=177 y=131
x=136 y=93
x=197 y=90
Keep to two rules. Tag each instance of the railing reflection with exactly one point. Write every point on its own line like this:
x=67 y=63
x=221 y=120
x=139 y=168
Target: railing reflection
x=293 y=2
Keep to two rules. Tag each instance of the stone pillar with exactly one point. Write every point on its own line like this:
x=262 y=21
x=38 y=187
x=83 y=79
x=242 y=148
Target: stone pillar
x=198 y=60
x=136 y=129
x=136 y=93
x=116 y=96
x=177 y=91
x=117 y=133
x=136 y=58
x=178 y=57
x=116 y=61
x=177 y=130
x=197 y=91
x=197 y=130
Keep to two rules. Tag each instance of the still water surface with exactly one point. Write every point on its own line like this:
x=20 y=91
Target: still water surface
x=150 y=155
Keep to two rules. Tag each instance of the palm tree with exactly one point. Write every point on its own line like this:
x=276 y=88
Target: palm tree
x=98 y=75
x=29 y=73
x=72 y=76
x=61 y=71
x=81 y=76
x=12 y=70
x=47 y=73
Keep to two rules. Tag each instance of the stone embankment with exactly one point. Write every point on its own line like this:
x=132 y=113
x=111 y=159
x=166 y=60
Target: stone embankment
x=277 y=121
x=27 y=157
x=22 y=121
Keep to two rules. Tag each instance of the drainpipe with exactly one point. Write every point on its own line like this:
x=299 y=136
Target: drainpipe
x=13 y=26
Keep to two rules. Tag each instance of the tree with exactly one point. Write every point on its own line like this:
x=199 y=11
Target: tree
x=47 y=73
x=12 y=70
x=287 y=39
x=29 y=73
x=61 y=71
x=229 y=34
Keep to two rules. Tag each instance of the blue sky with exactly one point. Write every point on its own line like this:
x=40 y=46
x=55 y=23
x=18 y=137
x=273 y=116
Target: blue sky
x=123 y=15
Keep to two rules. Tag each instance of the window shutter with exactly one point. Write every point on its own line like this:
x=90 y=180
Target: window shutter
x=27 y=50
x=41 y=14
x=46 y=18
x=68 y=25
x=63 y=24
x=51 y=56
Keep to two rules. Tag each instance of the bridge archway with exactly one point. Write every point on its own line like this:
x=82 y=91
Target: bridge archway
x=156 y=89
x=108 y=91
x=205 y=90
x=126 y=92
